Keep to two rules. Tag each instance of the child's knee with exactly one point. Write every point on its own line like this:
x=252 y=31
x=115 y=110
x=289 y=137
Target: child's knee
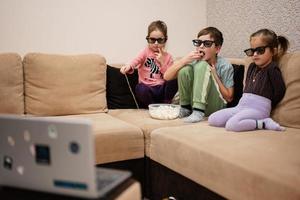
x=201 y=64
x=213 y=120
x=216 y=120
x=185 y=71
x=142 y=89
x=231 y=125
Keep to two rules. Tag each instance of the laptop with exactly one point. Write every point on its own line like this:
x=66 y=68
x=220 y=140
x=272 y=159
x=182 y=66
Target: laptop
x=55 y=155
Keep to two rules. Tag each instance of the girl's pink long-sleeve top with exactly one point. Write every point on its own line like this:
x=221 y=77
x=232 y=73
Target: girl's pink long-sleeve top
x=150 y=70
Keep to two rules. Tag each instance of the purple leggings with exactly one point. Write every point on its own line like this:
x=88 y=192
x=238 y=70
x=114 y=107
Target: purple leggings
x=156 y=94
x=243 y=117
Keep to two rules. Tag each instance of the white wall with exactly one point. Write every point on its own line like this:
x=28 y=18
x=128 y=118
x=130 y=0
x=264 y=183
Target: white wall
x=238 y=19
x=113 y=28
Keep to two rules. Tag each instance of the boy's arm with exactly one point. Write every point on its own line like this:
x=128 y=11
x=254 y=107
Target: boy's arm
x=227 y=93
x=171 y=72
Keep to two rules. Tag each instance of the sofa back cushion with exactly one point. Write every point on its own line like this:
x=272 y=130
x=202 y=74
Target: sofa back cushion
x=287 y=112
x=11 y=84
x=118 y=92
x=64 y=84
x=238 y=78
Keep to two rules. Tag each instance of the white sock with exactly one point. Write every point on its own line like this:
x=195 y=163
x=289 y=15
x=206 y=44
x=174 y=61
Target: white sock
x=196 y=116
x=184 y=112
x=260 y=124
x=268 y=124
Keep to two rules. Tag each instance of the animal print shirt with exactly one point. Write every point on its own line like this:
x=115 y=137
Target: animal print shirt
x=149 y=68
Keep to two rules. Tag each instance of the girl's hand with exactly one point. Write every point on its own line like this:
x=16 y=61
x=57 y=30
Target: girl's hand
x=160 y=55
x=125 y=69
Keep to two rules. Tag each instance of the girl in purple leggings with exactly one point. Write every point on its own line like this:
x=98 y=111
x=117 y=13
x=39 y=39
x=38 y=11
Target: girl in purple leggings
x=263 y=90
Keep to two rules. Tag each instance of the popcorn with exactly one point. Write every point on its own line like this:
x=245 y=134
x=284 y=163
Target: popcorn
x=164 y=111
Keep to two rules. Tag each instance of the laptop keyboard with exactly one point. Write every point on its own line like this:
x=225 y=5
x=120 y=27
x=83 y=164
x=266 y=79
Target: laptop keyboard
x=103 y=183
x=107 y=178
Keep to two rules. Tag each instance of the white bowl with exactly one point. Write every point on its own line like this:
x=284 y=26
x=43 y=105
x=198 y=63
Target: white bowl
x=164 y=111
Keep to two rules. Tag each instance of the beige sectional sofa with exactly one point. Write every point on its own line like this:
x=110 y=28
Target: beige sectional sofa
x=169 y=157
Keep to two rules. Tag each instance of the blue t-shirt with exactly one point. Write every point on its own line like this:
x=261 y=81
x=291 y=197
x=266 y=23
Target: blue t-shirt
x=224 y=70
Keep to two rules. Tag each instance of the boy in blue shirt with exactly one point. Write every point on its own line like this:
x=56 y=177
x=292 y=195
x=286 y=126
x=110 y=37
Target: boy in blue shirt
x=205 y=80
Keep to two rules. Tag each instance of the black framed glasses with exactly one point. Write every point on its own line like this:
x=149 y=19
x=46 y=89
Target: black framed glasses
x=259 y=50
x=152 y=40
x=206 y=43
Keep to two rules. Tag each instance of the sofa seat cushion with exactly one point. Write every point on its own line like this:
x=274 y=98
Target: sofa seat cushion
x=252 y=165
x=142 y=119
x=64 y=84
x=115 y=140
x=11 y=84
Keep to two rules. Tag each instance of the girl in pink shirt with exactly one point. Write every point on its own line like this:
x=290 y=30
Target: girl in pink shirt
x=152 y=62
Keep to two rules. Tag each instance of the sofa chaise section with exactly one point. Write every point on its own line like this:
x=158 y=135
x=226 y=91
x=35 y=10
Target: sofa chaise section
x=252 y=165
x=249 y=165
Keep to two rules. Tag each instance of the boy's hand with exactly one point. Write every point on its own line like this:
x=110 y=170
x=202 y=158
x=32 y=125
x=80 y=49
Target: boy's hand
x=160 y=55
x=125 y=69
x=202 y=54
x=213 y=69
x=193 y=55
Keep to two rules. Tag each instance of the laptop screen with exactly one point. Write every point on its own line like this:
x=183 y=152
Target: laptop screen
x=48 y=154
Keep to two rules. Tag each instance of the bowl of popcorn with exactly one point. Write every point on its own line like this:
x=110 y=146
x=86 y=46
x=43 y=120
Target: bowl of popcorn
x=164 y=111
